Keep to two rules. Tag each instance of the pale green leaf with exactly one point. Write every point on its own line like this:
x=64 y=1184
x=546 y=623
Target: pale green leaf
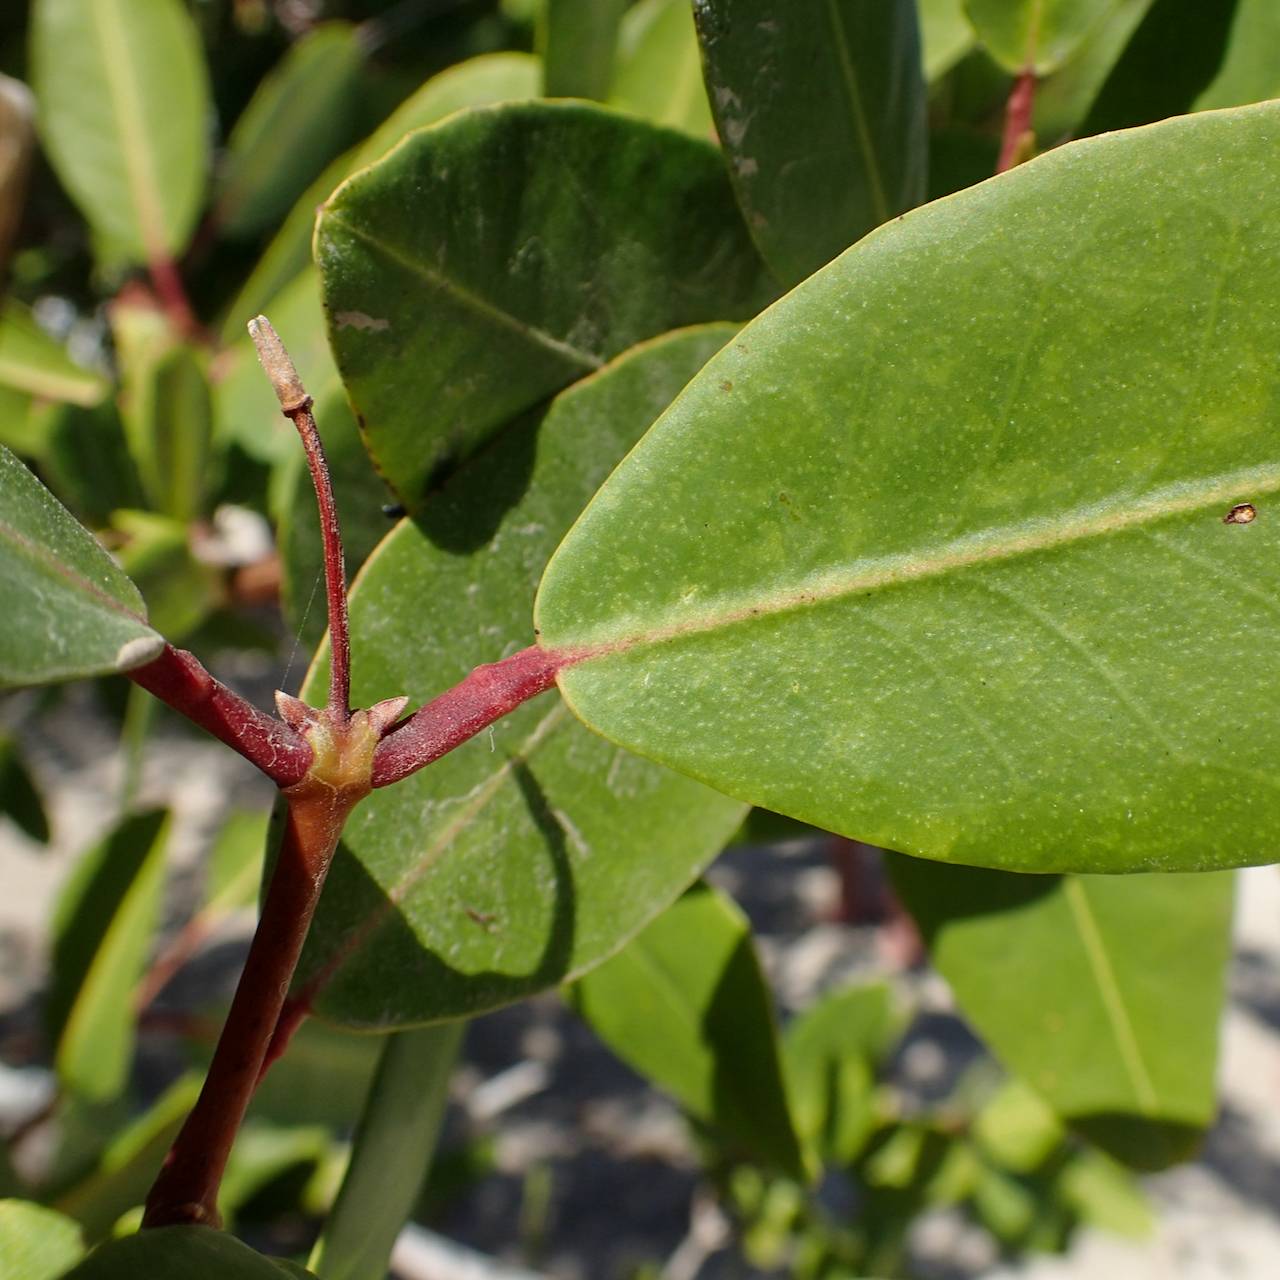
x=36 y=1243
x=32 y=362
x=390 y=1153
x=577 y=40
x=659 y=71
x=1250 y=71
x=951 y=550
x=945 y=35
x=1103 y=993
x=1041 y=34
x=180 y=1253
x=72 y=612
x=123 y=105
x=685 y=1004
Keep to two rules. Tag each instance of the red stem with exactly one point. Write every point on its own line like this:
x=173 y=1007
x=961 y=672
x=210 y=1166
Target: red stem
x=1017 y=120
x=177 y=677
x=169 y=288
x=187 y=1189
x=487 y=694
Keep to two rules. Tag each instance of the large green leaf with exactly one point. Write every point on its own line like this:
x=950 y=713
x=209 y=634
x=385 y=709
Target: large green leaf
x=299 y=118
x=686 y=1005
x=31 y=361
x=489 y=261
x=578 y=39
x=942 y=552
x=123 y=113
x=945 y=35
x=820 y=107
x=659 y=73
x=390 y=1153
x=36 y=1243
x=1041 y=34
x=1103 y=993
x=180 y=1253
x=532 y=852
x=71 y=612
x=103 y=930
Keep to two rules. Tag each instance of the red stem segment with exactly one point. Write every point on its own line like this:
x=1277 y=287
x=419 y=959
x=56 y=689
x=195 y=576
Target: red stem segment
x=187 y=1189
x=1015 y=142
x=177 y=678
x=487 y=694
x=295 y=404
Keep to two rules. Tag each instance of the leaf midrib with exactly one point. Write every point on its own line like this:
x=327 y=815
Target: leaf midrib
x=849 y=75
x=828 y=585
x=481 y=307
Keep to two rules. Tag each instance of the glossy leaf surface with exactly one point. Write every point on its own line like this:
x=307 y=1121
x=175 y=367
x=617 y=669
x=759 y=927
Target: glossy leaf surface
x=32 y=362
x=686 y=1004
x=123 y=106
x=820 y=108
x=181 y=1253
x=533 y=851
x=102 y=934
x=597 y=231
x=36 y=1243
x=71 y=610
x=1041 y=34
x=1102 y=992
x=951 y=549
x=298 y=120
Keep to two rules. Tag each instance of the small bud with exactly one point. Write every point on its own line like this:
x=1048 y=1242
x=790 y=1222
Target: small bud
x=382 y=715
x=294 y=712
x=279 y=367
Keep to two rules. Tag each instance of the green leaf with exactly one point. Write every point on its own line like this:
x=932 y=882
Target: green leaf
x=1041 y=34
x=659 y=72
x=123 y=106
x=36 y=1243
x=821 y=110
x=945 y=35
x=1171 y=58
x=686 y=1005
x=166 y=409
x=32 y=362
x=1017 y=1128
x=935 y=553
x=534 y=851
x=19 y=799
x=1250 y=71
x=300 y=116
x=490 y=78
x=118 y=1180
x=103 y=930
x=577 y=39
x=181 y=591
x=180 y=1253
x=71 y=611
x=390 y=1153
x=265 y=1152
x=1105 y=1196
x=1103 y=993
x=85 y=457
x=831 y=1052
x=597 y=231
x=233 y=871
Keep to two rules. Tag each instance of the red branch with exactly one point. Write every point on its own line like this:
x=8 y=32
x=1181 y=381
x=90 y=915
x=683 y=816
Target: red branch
x=487 y=694
x=1017 y=121
x=169 y=288
x=177 y=678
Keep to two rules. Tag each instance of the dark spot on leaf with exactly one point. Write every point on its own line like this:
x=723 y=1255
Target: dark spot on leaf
x=483 y=919
x=726 y=385
x=1241 y=513
x=393 y=510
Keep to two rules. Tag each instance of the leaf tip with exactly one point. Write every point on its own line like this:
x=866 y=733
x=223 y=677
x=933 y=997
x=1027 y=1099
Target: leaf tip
x=139 y=651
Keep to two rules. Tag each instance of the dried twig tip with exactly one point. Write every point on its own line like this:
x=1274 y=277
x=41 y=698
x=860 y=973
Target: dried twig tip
x=279 y=368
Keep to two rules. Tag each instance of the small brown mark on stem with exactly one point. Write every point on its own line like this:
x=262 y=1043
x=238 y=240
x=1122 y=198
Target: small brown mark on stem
x=1241 y=513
